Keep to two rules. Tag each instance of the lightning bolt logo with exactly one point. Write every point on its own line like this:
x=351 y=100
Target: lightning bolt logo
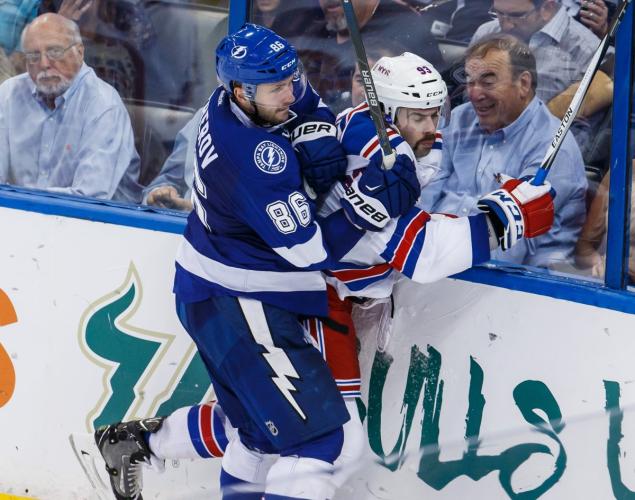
x=274 y=356
x=282 y=367
x=269 y=153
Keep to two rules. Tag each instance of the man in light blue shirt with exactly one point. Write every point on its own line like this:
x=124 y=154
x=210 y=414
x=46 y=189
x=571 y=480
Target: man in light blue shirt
x=506 y=129
x=63 y=129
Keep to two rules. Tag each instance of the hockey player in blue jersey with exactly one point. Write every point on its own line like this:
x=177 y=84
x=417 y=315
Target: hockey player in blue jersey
x=402 y=96
x=249 y=265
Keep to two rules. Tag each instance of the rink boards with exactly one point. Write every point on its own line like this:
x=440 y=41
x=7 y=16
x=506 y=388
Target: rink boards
x=482 y=392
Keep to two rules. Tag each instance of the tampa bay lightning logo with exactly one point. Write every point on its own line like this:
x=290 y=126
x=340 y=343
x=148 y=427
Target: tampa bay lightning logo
x=270 y=158
x=239 y=51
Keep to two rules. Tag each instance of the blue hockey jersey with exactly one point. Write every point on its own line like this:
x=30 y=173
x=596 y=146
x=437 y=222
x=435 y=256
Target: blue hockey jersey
x=253 y=231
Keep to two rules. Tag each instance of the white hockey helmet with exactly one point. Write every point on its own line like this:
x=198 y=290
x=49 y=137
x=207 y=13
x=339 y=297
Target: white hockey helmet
x=408 y=81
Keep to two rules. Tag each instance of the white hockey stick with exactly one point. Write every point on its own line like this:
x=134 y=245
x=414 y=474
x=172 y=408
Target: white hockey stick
x=369 y=85
x=578 y=97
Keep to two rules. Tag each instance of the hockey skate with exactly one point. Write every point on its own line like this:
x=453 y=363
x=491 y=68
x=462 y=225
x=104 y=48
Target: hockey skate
x=125 y=450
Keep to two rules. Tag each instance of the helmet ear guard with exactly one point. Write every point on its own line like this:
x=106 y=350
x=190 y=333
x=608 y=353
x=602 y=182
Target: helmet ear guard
x=408 y=81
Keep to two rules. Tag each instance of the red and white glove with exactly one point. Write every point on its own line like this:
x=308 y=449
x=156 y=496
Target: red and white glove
x=519 y=210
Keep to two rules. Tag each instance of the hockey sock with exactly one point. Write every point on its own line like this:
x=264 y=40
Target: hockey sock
x=307 y=470
x=206 y=434
x=353 y=448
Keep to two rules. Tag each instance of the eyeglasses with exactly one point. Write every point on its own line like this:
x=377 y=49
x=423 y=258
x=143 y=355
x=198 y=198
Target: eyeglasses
x=512 y=16
x=52 y=54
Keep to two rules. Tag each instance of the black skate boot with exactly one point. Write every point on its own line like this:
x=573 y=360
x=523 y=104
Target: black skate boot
x=125 y=450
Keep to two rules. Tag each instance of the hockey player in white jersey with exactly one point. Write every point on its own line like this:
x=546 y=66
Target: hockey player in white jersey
x=422 y=246
x=249 y=265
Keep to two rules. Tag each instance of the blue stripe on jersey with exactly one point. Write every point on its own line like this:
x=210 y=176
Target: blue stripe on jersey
x=219 y=430
x=480 y=238
x=195 y=434
x=415 y=251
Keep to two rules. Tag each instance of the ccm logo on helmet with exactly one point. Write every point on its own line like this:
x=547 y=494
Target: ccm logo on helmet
x=239 y=51
x=432 y=94
x=288 y=65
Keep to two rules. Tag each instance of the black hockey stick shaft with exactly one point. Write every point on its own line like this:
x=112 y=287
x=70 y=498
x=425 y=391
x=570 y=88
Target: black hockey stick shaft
x=578 y=97
x=369 y=85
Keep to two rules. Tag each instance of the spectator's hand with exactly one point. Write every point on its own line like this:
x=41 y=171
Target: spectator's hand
x=74 y=9
x=377 y=195
x=594 y=15
x=322 y=158
x=519 y=210
x=168 y=197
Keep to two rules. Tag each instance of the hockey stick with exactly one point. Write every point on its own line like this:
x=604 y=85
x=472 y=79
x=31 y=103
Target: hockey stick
x=369 y=85
x=578 y=97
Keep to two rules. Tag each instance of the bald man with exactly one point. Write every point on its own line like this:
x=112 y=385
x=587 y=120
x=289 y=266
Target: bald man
x=62 y=129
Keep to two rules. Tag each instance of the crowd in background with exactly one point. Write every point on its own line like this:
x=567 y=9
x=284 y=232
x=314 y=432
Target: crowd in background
x=100 y=97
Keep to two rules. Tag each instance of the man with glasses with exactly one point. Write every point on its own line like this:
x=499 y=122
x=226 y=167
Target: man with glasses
x=505 y=129
x=563 y=49
x=63 y=129
x=562 y=46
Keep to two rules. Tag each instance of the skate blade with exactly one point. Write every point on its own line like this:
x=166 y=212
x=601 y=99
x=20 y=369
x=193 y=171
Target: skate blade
x=91 y=462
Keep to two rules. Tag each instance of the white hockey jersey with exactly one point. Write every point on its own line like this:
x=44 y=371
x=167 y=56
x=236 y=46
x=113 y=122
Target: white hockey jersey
x=423 y=247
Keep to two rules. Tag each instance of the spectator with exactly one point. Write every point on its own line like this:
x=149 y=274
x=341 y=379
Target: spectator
x=126 y=45
x=456 y=19
x=328 y=56
x=6 y=67
x=265 y=12
x=506 y=128
x=173 y=185
x=61 y=128
x=590 y=251
x=594 y=14
x=14 y=16
x=562 y=46
x=563 y=49
x=113 y=58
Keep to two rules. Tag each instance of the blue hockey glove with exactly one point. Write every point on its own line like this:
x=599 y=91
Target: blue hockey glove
x=377 y=195
x=321 y=156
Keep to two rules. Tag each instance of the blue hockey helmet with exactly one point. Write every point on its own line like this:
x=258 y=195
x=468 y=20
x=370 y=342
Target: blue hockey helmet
x=254 y=55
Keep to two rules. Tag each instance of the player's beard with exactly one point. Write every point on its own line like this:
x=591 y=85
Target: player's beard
x=51 y=84
x=268 y=116
x=424 y=145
